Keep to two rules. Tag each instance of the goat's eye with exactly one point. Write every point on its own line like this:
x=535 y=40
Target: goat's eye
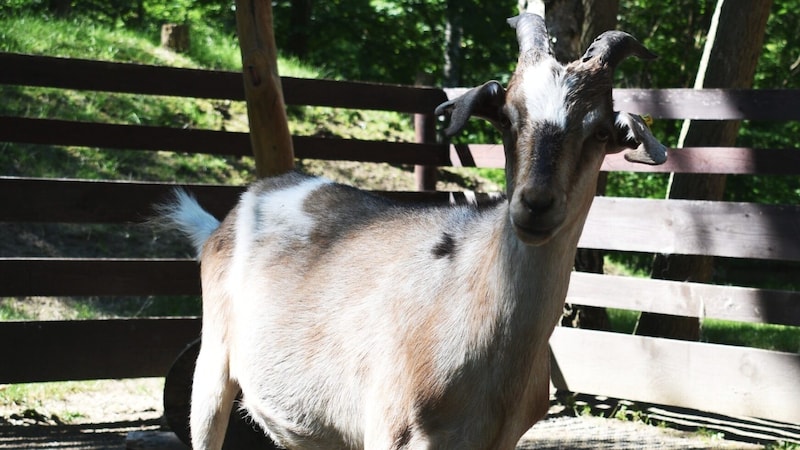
x=602 y=135
x=504 y=121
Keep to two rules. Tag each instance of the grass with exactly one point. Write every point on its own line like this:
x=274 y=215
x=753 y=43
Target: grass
x=764 y=336
x=66 y=402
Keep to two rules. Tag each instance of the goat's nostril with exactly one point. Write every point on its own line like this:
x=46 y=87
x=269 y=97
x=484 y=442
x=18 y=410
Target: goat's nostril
x=539 y=202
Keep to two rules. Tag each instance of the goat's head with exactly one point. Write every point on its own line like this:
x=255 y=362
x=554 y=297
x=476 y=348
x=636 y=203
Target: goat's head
x=558 y=123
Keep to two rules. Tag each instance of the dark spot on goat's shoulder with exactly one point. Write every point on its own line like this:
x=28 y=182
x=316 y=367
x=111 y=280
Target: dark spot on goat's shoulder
x=445 y=247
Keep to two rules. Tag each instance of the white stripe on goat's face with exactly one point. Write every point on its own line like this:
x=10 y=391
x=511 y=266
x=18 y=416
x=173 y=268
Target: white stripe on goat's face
x=545 y=89
x=561 y=120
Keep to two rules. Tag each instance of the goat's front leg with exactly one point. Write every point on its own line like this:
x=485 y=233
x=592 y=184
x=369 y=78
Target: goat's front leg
x=213 y=394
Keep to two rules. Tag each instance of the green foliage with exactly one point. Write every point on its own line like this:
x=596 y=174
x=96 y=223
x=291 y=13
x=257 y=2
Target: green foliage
x=645 y=185
x=11 y=311
x=395 y=41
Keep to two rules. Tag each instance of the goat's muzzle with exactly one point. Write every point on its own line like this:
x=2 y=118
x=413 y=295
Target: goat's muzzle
x=537 y=212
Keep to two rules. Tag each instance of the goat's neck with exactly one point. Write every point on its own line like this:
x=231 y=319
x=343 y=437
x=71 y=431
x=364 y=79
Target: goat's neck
x=532 y=281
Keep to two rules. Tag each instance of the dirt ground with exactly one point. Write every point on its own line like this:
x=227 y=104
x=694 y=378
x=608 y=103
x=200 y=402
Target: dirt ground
x=107 y=414
x=91 y=415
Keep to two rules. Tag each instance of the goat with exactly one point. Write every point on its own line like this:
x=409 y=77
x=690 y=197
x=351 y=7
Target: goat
x=350 y=321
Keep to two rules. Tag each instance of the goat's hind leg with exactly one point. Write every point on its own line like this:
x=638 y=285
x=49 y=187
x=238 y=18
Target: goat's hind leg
x=213 y=395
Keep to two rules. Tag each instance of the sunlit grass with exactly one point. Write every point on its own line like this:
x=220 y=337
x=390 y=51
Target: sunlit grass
x=758 y=335
x=76 y=401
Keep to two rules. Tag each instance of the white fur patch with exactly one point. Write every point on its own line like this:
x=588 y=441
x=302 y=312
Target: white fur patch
x=546 y=89
x=278 y=214
x=281 y=212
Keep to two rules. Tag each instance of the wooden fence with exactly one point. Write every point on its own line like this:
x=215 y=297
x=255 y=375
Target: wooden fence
x=718 y=378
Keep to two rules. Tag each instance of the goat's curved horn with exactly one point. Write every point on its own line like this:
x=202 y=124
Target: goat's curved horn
x=611 y=47
x=531 y=34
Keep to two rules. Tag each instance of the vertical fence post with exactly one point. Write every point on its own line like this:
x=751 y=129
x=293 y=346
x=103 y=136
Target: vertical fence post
x=425 y=133
x=266 y=110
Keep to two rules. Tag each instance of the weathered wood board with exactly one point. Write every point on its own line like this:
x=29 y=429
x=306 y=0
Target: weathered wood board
x=736 y=381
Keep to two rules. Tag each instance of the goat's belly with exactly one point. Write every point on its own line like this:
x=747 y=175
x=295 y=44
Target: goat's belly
x=299 y=384
x=299 y=409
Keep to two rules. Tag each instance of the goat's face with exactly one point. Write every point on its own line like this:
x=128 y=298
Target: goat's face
x=558 y=123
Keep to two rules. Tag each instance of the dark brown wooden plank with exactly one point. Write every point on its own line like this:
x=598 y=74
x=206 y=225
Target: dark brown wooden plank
x=90 y=277
x=361 y=95
x=80 y=74
x=717 y=160
x=737 y=230
x=117 y=136
x=92 y=349
x=705 y=104
x=685 y=299
x=735 y=381
x=89 y=201
x=371 y=151
x=716 y=104
x=84 y=201
x=702 y=104
x=720 y=160
x=83 y=74
x=711 y=104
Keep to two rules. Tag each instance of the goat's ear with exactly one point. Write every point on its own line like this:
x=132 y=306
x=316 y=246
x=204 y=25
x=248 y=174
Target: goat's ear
x=633 y=132
x=484 y=101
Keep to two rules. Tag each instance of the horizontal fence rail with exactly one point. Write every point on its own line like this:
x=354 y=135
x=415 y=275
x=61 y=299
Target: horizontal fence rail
x=704 y=160
x=735 y=381
x=79 y=74
x=701 y=104
x=142 y=137
x=98 y=276
x=104 y=276
x=686 y=299
x=92 y=349
x=719 y=160
x=691 y=227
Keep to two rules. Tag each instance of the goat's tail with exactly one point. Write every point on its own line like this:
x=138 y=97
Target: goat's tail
x=186 y=214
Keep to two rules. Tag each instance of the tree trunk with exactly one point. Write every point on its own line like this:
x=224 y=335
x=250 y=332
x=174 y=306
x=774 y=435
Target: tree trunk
x=60 y=8
x=564 y=20
x=175 y=37
x=729 y=61
x=574 y=24
x=453 y=32
x=299 y=28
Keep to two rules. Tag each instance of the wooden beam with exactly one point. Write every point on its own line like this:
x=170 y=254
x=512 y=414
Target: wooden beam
x=685 y=299
x=84 y=201
x=719 y=160
x=266 y=109
x=92 y=349
x=89 y=75
x=115 y=136
x=710 y=104
x=693 y=227
x=735 y=381
x=701 y=104
x=95 y=276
